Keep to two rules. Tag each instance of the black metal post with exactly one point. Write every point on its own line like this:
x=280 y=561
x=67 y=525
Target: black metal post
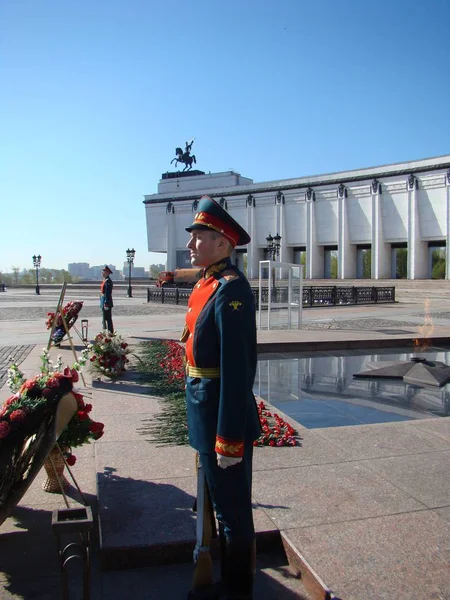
x=36 y=265
x=273 y=250
x=129 y=294
x=130 y=259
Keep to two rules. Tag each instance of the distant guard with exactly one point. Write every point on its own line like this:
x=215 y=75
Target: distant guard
x=106 y=301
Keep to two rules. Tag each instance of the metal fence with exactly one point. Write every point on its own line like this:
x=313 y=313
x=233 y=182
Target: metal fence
x=313 y=296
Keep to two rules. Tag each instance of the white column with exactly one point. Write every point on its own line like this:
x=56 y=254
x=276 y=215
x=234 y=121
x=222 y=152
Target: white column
x=252 y=248
x=447 y=243
x=380 y=263
x=314 y=253
x=417 y=250
x=346 y=251
x=171 y=238
x=281 y=229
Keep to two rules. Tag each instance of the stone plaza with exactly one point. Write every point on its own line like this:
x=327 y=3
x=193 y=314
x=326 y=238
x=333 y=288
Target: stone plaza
x=355 y=512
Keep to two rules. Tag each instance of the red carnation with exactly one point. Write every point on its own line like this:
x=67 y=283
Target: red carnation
x=96 y=427
x=18 y=415
x=28 y=385
x=75 y=376
x=53 y=382
x=88 y=408
x=9 y=401
x=124 y=345
x=4 y=429
x=82 y=415
x=71 y=460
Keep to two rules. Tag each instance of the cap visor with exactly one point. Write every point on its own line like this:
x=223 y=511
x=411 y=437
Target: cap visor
x=198 y=226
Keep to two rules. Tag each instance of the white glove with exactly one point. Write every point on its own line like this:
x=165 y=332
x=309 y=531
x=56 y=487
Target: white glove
x=227 y=461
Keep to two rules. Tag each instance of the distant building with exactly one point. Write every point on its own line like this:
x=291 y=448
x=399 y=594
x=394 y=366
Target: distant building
x=381 y=222
x=135 y=271
x=80 y=269
x=95 y=272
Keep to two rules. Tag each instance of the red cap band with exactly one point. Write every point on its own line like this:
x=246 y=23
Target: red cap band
x=208 y=220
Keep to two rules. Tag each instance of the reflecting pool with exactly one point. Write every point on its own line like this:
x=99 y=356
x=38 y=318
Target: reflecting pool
x=318 y=390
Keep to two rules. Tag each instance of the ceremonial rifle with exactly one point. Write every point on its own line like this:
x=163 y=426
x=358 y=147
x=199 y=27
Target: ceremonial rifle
x=203 y=573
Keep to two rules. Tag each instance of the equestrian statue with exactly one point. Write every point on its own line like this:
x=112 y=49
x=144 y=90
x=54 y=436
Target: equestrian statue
x=185 y=157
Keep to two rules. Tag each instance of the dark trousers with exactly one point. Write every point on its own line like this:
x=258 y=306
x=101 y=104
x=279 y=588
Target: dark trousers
x=107 y=320
x=231 y=493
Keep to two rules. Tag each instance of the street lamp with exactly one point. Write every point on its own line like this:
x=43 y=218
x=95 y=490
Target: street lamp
x=37 y=266
x=130 y=259
x=273 y=246
x=273 y=250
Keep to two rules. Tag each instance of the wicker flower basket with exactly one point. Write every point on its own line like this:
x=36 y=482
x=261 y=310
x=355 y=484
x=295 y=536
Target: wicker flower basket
x=54 y=480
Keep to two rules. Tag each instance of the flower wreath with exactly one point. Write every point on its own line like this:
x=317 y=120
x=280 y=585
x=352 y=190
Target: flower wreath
x=70 y=312
x=33 y=398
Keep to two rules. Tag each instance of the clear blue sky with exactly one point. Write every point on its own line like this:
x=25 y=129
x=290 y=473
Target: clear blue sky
x=95 y=96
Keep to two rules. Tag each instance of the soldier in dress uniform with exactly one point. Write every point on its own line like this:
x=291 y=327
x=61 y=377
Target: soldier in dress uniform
x=106 y=301
x=223 y=422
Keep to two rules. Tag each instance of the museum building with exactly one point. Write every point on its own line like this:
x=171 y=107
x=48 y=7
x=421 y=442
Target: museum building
x=347 y=225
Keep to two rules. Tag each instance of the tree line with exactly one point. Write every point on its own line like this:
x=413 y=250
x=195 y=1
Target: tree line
x=28 y=276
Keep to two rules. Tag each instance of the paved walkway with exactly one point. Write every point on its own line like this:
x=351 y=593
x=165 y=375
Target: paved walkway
x=363 y=512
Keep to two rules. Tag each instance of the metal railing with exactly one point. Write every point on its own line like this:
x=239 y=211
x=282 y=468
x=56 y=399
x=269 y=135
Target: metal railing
x=169 y=295
x=313 y=296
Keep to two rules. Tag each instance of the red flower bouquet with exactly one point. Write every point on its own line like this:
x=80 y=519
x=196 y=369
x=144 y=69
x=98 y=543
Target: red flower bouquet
x=275 y=432
x=108 y=354
x=173 y=363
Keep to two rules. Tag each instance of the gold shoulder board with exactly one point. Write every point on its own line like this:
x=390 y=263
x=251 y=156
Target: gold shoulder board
x=230 y=275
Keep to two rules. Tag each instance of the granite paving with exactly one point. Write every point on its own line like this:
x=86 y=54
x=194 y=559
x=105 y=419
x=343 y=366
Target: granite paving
x=402 y=556
x=366 y=508
x=12 y=354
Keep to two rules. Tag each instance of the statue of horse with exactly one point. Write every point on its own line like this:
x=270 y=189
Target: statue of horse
x=185 y=157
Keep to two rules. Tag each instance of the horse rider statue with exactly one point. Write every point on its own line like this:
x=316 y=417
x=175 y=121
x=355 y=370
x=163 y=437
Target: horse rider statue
x=185 y=157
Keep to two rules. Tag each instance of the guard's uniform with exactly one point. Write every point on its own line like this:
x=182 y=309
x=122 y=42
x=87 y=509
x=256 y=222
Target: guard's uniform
x=106 y=289
x=220 y=337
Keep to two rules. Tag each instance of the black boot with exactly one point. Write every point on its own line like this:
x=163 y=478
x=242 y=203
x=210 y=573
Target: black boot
x=239 y=570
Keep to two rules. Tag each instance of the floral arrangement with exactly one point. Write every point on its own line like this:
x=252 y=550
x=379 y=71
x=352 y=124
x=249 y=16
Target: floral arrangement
x=163 y=364
x=33 y=397
x=80 y=430
x=70 y=312
x=108 y=354
x=173 y=363
x=278 y=434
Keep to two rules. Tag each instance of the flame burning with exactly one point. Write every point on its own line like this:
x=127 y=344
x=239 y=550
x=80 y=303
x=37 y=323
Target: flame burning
x=423 y=342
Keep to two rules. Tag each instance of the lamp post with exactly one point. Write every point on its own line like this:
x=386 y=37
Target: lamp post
x=130 y=259
x=273 y=250
x=37 y=266
x=273 y=246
